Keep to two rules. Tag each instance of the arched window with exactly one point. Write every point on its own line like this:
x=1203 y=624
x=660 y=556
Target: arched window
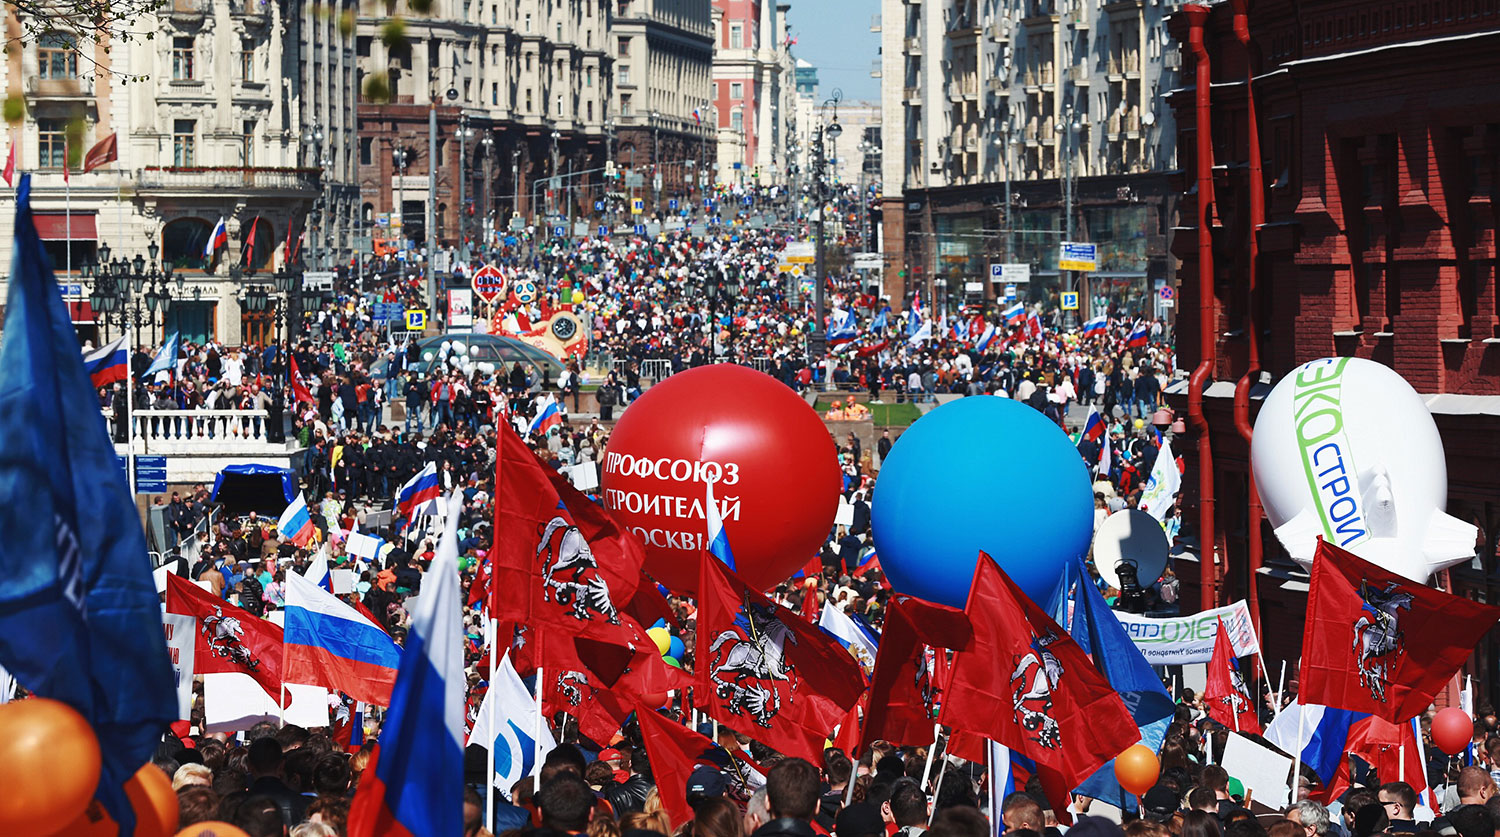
x=183 y=242
x=367 y=213
x=256 y=254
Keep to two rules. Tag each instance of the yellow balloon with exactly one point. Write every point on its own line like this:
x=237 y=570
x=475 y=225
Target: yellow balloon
x=662 y=637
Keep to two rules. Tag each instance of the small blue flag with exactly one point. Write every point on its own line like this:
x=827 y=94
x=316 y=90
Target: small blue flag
x=80 y=620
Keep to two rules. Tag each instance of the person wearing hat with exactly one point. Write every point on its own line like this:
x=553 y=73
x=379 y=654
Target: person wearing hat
x=1160 y=804
x=705 y=782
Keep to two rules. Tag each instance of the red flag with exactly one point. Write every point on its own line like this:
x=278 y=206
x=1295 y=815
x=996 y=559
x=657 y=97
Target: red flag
x=10 y=166
x=1379 y=643
x=849 y=729
x=560 y=560
x=905 y=688
x=598 y=682
x=811 y=607
x=250 y=243
x=300 y=392
x=674 y=750
x=1392 y=749
x=228 y=639
x=479 y=588
x=1063 y=714
x=1229 y=699
x=764 y=671
x=648 y=605
x=104 y=151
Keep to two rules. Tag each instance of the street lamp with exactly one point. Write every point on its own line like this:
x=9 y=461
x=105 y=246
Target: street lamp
x=822 y=135
x=133 y=290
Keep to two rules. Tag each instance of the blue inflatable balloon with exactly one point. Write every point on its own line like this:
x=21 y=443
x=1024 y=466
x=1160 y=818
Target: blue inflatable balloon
x=981 y=473
x=676 y=648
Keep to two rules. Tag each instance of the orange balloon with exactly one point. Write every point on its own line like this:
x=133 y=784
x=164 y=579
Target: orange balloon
x=1137 y=769
x=211 y=828
x=152 y=799
x=49 y=765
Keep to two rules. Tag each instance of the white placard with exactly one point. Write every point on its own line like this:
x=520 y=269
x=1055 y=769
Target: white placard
x=342 y=580
x=1183 y=640
x=585 y=476
x=277 y=618
x=234 y=701
x=181 y=631
x=159 y=575
x=845 y=514
x=1260 y=769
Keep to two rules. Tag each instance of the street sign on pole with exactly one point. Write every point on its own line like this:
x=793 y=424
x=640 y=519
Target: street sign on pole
x=637 y=206
x=1078 y=255
x=416 y=319
x=1070 y=300
x=1010 y=273
x=150 y=475
x=317 y=280
x=489 y=282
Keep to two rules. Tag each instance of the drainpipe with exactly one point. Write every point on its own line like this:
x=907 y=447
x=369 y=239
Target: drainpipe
x=1252 y=325
x=1197 y=15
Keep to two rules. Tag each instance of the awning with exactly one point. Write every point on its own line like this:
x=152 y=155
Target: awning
x=54 y=226
x=81 y=312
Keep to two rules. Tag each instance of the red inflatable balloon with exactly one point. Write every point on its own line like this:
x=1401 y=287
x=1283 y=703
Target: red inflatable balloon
x=773 y=464
x=1137 y=769
x=1452 y=730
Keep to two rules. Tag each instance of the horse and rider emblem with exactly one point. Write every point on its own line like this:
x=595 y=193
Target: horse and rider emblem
x=225 y=637
x=1238 y=700
x=748 y=660
x=571 y=685
x=926 y=683
x=1036 y=675
x=1378 y=639
x=570 y=573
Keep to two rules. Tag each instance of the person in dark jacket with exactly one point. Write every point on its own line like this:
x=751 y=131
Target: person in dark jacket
x=792 y=791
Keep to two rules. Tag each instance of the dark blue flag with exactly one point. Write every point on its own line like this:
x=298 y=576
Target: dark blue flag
x=1080 y=607
x=80 y=620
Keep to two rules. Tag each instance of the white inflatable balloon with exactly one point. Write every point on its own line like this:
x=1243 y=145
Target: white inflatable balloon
x=1346 y=449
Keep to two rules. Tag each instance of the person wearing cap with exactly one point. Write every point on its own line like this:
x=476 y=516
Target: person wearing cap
x=1160 y=804
x=703 y=783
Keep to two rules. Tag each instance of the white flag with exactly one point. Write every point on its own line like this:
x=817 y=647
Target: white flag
x=1165 y=482
x=514 y=736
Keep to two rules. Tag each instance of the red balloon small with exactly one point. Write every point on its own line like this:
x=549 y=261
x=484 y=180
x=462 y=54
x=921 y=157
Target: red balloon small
x=771 y=460
x=1452 y=730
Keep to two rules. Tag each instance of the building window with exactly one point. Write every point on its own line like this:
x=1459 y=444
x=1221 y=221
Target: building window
x=51 y=139
x=736 y=90
x=494 y=93
x=57 y=57
x=590 y=111
x=736 y=36
x=625 y=108
x=247 y=60
x=622 y=74
x=247 y=143
x=527 y=30
x=624 y=47
x=528 y=100
x=737 y=120
x=182 y=59
x=366 y=151
x=588 y=76
x=184 y=138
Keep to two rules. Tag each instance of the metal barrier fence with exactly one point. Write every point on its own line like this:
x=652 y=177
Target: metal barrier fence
x=659 y=369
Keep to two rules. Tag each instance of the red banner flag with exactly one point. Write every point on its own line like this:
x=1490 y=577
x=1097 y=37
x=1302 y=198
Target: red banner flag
x=599 y=682
x=905 y=688
x=674 y=750
x=1229 y=699
x=300 y=392
x=764 y=671
x=560 y=560
x=228 y=639
x=1379 y=643
x=104 y=151
x=1062 y=714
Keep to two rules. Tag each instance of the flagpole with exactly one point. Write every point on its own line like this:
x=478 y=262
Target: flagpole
x=995 y=800
x=537 y=760
x=931 y=815
x=1297 y=752
x=489 y=792
x=1281 y=687
x=1266 y=676
x=927 y=770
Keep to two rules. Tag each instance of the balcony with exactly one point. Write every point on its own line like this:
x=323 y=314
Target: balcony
x=200 y=443
x=254 y=11
x=188 y=11
x=874 y=23
x=875 y=69
x=912 y=46
x=999 y=32
x=1078 y=74
x=912 y=95
x=60 y=89
x=995 y=85
x=197 y=181
x=1078 y=19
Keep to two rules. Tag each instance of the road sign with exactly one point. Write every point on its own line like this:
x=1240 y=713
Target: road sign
x=384 y=312
x=1070 y=300
x=867 y=261
x=1167 y=293
x=639 y=229
x=1010 y=291
x=150 y=475
x=604 y=232
x=672 y=204
x=317 y=280
x=973 y=287
x=489 y=282
x=460 y=309
x=559 y=231
x=799 y=252
x=637 y=206
x=1010 y=273
x=598 y=206
x=416 y=319
x=1078 y=255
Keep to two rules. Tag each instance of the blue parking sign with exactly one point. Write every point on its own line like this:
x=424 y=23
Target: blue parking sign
x=560 y=231
x=640 y=229
x=598 y=206
x=604 y=232
x=672 y=203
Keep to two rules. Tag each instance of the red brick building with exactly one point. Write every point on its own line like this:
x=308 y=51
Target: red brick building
x=1378 y=126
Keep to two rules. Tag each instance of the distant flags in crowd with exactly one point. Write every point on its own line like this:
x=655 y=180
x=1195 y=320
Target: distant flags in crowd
x=986 y=336
x=217 y=238
x=1014 y=315
x=1139 y=334
x=295 y=524
x=228 y=639
x=1096 y=327
x=1094 y=428
x=718 y=539
x=546 y=418
x=317 y=569
x=509 y=724
x=108 y=364
x=855 y=636
x=331 y=644
x=166 y=356
x=841 y=327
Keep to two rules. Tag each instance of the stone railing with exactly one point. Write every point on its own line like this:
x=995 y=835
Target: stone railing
x=203 y=432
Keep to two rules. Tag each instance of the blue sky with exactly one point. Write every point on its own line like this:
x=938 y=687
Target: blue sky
x=835 y=36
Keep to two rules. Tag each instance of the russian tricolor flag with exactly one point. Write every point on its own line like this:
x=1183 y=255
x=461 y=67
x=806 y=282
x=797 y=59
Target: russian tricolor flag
x=1014 y=314
x=415 y=781
x=296 y=523
x=547 y=418
x=317 y=570
x=109 y=364
x=1137 y=338
x=985 y=338
x=216 y=239
x=330 y=644
x=718 y=539
x=1095 y=327
x=420 y=494
x=1093 y=426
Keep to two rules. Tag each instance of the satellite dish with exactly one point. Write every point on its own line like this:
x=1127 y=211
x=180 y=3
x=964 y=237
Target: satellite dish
x=1133 y=537
x=1148 y=118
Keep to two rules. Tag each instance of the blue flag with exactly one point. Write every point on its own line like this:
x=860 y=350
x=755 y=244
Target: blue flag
x=80 y=620
x=1079 y=606
x=166 y=356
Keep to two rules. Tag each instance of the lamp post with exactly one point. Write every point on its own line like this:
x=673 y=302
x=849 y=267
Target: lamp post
x=464 y=132
x=132 y=289
x=553 y=182
x=656 y=162
x=824 y=134
x=487 y=219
